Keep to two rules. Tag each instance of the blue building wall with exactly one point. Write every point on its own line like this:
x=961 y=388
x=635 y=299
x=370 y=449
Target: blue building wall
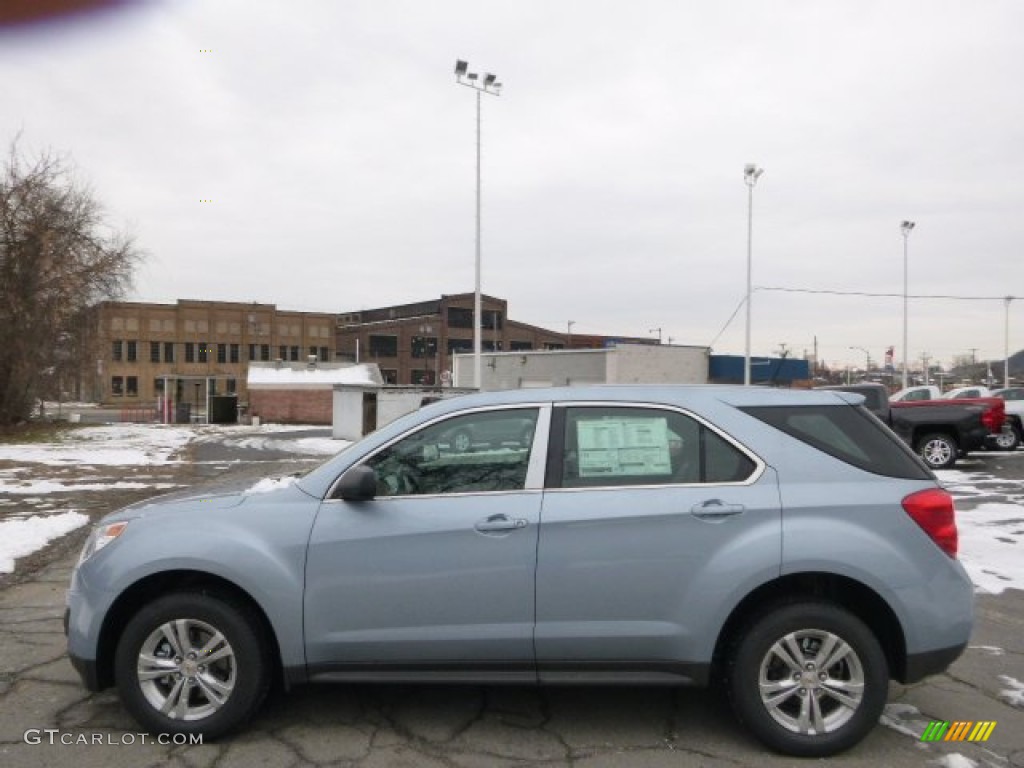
x=763 y=370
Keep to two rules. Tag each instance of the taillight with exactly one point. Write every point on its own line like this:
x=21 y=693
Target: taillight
x=993 y=417
x=933 y=511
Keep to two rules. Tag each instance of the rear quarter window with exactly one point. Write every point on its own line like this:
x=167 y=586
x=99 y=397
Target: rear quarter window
x=846 y=432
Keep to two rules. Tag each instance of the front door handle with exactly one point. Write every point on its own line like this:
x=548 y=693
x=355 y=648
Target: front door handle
x=500 y=523
x=715 y=509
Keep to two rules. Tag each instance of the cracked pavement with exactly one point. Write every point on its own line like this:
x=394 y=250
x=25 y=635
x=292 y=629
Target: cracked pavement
x=470 y=726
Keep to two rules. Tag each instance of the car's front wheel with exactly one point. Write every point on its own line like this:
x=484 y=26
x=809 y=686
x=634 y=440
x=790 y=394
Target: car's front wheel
x=809 y=679
x=192 y=663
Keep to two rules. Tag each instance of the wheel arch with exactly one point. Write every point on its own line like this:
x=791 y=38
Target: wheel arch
x=854 y=596
x=155 y=585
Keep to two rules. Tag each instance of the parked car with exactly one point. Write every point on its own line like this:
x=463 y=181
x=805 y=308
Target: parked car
x=1012 y=434
x=637 y=538
x=939 y=430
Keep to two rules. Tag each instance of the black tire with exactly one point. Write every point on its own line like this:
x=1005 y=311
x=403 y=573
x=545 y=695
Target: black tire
x=241 y=667
x=938 y=450
x=756 y=661
x=1008 y=438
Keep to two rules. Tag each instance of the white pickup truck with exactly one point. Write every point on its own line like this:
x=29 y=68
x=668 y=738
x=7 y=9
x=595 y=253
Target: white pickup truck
x=1012 y=434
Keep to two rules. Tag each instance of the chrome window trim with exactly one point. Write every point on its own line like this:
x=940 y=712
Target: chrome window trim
x=759 y=464
x=535 y=466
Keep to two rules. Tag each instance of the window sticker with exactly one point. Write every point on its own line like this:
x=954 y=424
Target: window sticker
x=625 y=446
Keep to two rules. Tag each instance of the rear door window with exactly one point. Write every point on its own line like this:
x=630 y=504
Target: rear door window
x=849 y=433
x=607 y=446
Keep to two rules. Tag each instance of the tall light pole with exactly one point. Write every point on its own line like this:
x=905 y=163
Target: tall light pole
x=751 y=173
x=489 y=85
x=568 y=340
x=905 y=228
x=657 y=331
x=1006 y=341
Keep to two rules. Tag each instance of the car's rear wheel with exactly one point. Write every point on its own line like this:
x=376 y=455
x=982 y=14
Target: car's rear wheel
x=938 y=450
x=809 y=679
x=1008 y=439
x=192 y=663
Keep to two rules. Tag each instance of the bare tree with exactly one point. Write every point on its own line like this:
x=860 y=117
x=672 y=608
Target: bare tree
x=57 y=258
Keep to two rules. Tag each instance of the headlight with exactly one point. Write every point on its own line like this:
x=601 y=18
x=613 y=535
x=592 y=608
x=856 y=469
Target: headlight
x=99 y=538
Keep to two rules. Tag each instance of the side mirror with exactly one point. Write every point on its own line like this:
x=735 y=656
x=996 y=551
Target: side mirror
x=358 y=484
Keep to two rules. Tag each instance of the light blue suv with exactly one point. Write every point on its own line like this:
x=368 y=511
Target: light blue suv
x=783 y=543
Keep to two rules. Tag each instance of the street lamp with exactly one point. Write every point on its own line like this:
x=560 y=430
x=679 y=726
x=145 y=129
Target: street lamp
x=905 y=227
x=489 y=85
x=751 y=173
x=867 y=359
x=658 y=331
x=1006 y=340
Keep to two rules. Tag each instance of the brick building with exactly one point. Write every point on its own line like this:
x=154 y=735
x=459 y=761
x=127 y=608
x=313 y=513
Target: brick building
x=412 y=343
x=142 y=348
x=303 y=393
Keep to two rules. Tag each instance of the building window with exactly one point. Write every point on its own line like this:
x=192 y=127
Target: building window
x=234 y=353
x=487 y=345
x=168 y=351
x=553 y=345
x=158 y=386
x=232 y=386
x=294 y=354
x=252 y=352
x=117 y=351
x=520 y=346
x=132 y=386
x=325 y=354
x=312 y=353
x=383 y=346
x=204 y=352
x=459 y=345
x=282 y=352
x=190 y=352
x=389 y=375
x=424 y=346
x=222 y=353
x=460 y=318
x=423 y=378
x=132 y=351
x=491 y=319
x=117 y=386
x=154 y=351
x=265 y=352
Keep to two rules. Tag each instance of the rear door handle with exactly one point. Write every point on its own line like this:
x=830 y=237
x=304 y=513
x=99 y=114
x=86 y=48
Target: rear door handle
x=496 y=523
x=715 y=509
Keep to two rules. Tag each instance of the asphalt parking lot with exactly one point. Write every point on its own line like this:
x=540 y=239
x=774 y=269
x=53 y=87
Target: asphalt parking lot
x=48 y=719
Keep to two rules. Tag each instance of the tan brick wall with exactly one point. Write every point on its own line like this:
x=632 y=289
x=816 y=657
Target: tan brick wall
x=292 y=406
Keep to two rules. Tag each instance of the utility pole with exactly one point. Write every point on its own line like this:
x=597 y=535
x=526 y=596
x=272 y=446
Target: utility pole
x=924 y=364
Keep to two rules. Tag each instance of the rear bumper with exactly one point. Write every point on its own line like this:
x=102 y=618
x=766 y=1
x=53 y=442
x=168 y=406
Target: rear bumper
x=921 y=665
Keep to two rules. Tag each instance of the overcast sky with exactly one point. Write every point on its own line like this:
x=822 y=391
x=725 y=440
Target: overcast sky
x=339 y=155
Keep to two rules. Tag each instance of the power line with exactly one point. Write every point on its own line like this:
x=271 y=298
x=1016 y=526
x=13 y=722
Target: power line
x=882 y=295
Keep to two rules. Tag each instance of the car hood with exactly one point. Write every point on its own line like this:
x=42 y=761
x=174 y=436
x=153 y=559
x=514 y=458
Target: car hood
x=225 y=496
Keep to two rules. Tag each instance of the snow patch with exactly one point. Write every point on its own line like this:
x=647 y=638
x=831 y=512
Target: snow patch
x=117 y=445
x=1014 y=695
x=268 y=484
x=903 y=718
x=19 y=538
x=954 y=760
x=991 y=650
x=992 y=546
x=55 y=486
